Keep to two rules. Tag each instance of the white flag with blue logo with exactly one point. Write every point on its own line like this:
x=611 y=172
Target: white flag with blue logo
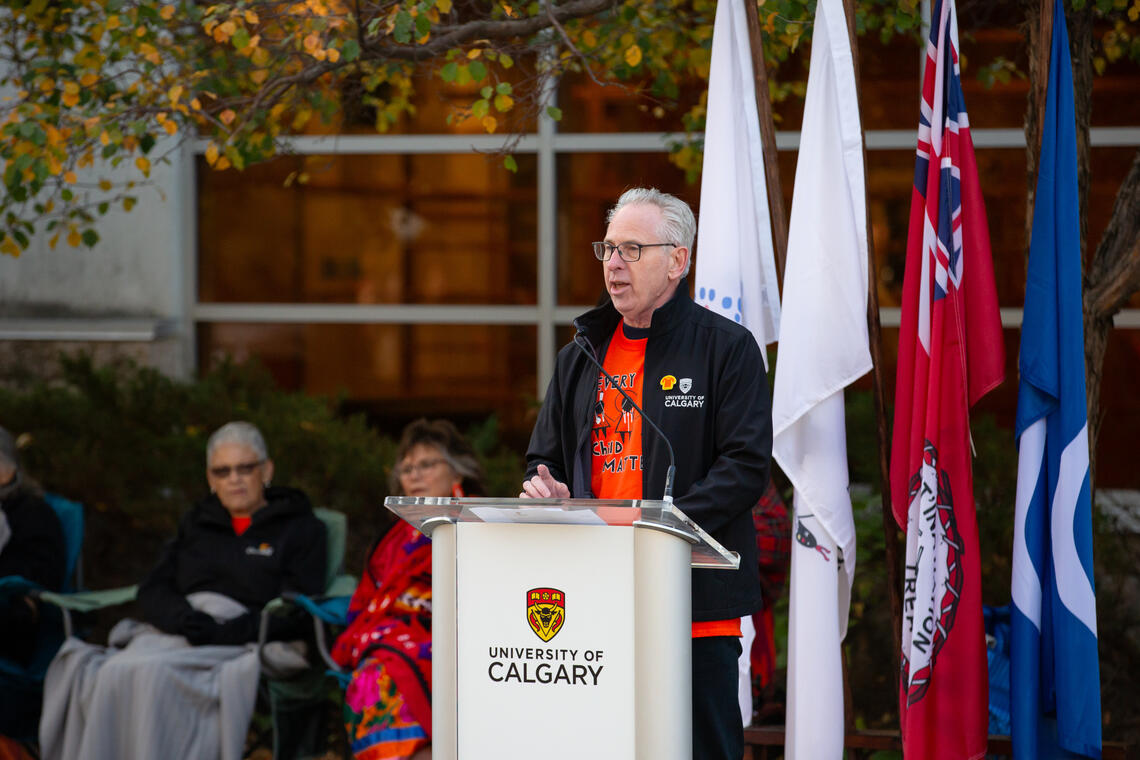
x=823 y=349
x=1054 y=673
x=736 y=266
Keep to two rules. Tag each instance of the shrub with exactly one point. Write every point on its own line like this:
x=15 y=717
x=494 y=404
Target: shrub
x=130 y=444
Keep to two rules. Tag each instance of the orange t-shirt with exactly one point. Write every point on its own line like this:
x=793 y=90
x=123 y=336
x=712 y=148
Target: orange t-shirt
x=616 y=463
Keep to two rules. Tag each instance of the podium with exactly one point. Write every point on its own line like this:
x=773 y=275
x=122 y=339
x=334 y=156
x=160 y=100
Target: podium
x=561 y=628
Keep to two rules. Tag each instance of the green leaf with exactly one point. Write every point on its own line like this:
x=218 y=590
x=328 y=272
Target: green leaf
x=510 y=164
x=90 y=238
x=423 y=26
x=402 y=30
x=240 y=39
x=66 y=195
x=103 y=207
x=554 y=112
x=487 y=92
x=504 y=88
x=449 y=72
x=146 y=143
x=350 y=51
x=478 y=70
x=21 y=238
x=506 y=61
x=480 y=108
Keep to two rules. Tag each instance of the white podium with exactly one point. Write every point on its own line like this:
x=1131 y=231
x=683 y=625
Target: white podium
x=561 y=628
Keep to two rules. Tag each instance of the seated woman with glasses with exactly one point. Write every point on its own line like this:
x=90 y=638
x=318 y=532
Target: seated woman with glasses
x=387 y=643
x=183 y=683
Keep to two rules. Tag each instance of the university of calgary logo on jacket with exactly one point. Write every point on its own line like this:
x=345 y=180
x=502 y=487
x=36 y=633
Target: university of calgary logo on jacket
x=545 y=611
x=261 y=550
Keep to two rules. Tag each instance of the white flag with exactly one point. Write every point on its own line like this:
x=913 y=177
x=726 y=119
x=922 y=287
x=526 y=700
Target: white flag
x=823 y=348
x=736 y=266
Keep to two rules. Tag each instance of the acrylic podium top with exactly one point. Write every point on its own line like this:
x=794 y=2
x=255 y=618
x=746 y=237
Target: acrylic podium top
x=425 y=513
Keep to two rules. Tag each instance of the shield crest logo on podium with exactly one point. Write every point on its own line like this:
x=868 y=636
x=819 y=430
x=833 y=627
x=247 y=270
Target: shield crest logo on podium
x=545 y=611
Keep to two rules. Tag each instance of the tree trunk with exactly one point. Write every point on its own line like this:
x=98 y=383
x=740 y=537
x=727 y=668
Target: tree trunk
x=1110 y=280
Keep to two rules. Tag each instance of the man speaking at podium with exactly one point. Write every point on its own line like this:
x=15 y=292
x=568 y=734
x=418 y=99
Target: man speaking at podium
x=701 y=378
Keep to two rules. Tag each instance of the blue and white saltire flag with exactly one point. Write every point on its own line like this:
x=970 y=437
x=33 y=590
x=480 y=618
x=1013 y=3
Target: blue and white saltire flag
x=823 y=349
x=736 y=265
x=1054 y=677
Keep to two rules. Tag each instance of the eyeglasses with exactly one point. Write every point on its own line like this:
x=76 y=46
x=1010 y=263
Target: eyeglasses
x=246 y=468
x=627 y=251
x=419 y=468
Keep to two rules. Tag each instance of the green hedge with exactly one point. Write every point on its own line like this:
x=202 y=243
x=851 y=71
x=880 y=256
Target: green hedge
x=129 y=443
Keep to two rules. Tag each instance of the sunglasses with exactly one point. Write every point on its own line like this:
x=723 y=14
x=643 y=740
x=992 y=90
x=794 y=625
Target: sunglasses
x=246 y=468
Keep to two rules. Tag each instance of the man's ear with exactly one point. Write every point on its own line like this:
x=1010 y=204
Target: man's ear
x=678 y=260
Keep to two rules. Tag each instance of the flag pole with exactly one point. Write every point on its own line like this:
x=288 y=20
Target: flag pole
x=874 y=333
x=768 y=139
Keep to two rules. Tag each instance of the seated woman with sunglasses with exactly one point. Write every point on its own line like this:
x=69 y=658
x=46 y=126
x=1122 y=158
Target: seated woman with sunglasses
x=183 y=684
x=387 y=643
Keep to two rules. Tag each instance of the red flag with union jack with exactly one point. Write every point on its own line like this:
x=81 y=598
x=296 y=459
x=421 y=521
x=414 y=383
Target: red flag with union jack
x=950 y=355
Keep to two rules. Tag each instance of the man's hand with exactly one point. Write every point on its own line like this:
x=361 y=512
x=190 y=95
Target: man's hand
x=544 y=486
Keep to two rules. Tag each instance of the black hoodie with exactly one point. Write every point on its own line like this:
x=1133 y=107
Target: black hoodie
x=282 y=550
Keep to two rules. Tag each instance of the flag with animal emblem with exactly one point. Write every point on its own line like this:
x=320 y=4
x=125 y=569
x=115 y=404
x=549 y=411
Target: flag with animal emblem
x=736 y=266
x=823 y=348
x=1054 y=673
x=950 y=355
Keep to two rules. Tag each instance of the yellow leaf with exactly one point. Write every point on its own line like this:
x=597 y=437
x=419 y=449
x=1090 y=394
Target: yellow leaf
x=174 y=93
x=257 y=77
x=47 y=85
x=167 y=12
x=223 y=163
x=490 y=123
x=196 y=104
x=144 y=165
x=88 y=79
x=53 y=241
x=171 y=127
x=259 y=57
x=503 y=103
x=333 y=54
x=589 y=39
x=70 y=178
x=70 y=100
x=73 y=238
x=251 y=17
x=311 y=41
x=227 y=116
x=104 y=185
x=443 y=5
x=211 y=154
x=9 y=247
x=71 y=87
x=633 y=55
x=112 y=22
x=128 y=203
x=474 y=53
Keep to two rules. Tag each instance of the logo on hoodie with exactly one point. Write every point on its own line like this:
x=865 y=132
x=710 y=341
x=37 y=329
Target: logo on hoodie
x=261 y=550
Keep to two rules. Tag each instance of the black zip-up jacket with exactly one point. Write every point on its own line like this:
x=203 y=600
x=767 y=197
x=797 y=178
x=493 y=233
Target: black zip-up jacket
x=705 y=386
x=282 y=550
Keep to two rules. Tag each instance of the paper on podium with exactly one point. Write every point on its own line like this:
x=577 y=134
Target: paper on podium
x=549 y=515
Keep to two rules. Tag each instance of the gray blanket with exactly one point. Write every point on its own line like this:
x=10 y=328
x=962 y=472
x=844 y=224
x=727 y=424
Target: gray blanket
x=150 y=695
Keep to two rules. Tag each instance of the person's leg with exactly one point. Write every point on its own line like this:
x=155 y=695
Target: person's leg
x=717 y=730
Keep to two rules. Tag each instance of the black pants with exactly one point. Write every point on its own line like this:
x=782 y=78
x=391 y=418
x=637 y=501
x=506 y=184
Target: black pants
x=718 y=733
